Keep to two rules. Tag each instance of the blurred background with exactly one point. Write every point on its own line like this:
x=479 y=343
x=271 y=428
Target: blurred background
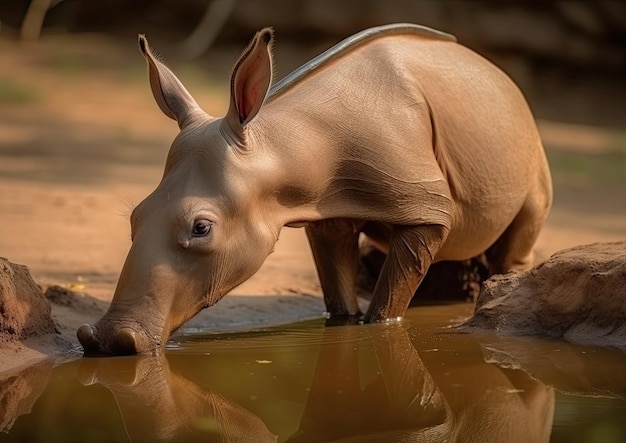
x=569 y=57
x=81 y=139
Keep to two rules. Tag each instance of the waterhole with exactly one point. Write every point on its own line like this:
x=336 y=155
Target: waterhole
x=416 y=381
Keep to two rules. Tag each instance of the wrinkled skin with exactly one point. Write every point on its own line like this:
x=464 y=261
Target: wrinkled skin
x=399 y=133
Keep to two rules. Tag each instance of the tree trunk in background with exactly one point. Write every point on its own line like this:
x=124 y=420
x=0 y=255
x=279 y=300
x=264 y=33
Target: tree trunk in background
x=201 y=39
x=33 y=20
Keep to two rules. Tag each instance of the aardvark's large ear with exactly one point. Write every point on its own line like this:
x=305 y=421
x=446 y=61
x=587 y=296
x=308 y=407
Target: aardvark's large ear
x=250 y=81
x=170 y=94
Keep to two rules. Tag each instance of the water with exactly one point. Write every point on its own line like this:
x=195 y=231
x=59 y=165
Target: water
x=414 y=381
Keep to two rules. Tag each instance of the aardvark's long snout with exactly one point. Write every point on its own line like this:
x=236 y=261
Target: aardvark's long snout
x=121 y=341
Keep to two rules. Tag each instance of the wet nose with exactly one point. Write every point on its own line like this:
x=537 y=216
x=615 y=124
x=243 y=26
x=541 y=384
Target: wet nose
x=120 y=342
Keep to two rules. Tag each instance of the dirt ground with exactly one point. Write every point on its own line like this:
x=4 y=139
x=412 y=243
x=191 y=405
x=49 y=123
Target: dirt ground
x=82 y=141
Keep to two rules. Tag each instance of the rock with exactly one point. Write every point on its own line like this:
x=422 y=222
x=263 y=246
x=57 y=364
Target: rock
x=24 y=311
x=578 y=294
x=62 y=296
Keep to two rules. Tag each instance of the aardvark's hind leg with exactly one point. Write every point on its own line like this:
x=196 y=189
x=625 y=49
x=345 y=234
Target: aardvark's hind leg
x=514 y=249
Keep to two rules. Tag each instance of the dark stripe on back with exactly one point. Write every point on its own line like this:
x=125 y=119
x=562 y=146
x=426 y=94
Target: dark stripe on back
x=349 y=43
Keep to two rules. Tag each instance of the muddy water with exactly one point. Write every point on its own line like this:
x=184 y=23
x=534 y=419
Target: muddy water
x=415 y=381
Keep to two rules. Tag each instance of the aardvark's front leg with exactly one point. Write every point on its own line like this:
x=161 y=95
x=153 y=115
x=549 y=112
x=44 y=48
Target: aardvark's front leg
x=335 y=247
x=411 y=251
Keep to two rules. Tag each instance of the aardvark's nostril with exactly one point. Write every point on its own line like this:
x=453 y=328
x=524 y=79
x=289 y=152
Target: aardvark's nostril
x=87 y=337
x=124 y=342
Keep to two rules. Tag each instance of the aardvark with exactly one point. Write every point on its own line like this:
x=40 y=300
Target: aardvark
x=398 y=132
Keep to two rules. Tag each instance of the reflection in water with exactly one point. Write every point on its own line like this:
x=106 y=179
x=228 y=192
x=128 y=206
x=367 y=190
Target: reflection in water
x=369 y=384
x=569 y=368
x=410 y=382
x=158 y=404
x=20 y=391
x=402 y=395
x=403 y=402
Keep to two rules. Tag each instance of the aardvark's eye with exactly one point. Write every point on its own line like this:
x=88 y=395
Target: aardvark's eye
x=201 y=228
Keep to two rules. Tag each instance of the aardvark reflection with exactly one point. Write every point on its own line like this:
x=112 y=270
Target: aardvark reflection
x=370 y=384
x=158 y=404
x=406 y=400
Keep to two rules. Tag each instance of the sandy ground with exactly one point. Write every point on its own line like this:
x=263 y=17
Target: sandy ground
x=81 y=142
